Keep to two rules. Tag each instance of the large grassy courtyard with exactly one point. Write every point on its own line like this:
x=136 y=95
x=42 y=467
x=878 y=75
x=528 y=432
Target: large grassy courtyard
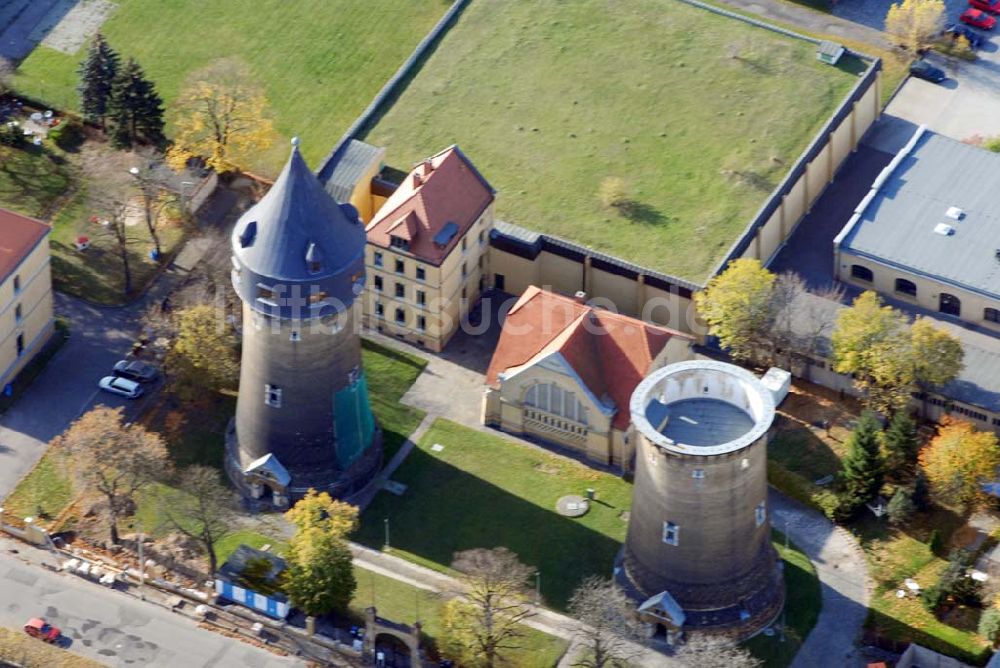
x=700 y=115
x=320 y=61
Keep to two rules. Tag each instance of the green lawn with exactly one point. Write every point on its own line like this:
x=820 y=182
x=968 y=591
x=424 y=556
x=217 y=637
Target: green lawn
x=44 y=491
x=31 y=178
x=700 y=114
x=390 y=374
x=404 y=603
x=894 y=555
x=803 y=601
x=486 y=491
x=320 y=61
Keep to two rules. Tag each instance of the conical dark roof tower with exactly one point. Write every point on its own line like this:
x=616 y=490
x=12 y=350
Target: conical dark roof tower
x=302 y=418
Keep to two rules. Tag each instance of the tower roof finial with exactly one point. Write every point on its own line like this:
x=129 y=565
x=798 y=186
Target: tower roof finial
x=295 y=142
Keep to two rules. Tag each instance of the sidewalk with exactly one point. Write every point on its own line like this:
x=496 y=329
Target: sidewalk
x=810 y=20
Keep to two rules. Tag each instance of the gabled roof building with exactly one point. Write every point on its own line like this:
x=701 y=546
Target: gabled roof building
x=427 y=250
x=563 y=372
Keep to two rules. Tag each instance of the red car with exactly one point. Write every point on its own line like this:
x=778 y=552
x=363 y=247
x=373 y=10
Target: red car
x=39 y=628
x=991 y=6
x=978 y=19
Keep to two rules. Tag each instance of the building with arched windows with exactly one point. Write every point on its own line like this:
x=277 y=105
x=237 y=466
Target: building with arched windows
x=928 y=233
x=563 y=372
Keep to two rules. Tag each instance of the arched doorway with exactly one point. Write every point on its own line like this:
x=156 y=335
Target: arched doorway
x=391 y=644
x=391 y=652
x=949 y=304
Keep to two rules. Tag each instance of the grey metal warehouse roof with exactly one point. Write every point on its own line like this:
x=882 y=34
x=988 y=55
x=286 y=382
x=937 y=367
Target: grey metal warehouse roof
x=896 y=223
x=342 y=170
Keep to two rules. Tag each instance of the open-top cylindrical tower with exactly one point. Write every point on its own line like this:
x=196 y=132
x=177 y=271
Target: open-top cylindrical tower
x=699 y=535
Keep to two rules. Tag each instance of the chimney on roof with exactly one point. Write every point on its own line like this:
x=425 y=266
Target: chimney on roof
x=417 y=178
x=580 y=297
x=428 y=166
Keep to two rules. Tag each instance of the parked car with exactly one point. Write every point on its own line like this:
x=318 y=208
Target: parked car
x=978 y=19
x=140 y=372
x=41 y=629
x=121 y=386
x=991 y=6
x=924 y=70
x=956 y=30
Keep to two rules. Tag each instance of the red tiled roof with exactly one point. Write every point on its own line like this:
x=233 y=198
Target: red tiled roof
x=18 y=237
x=445 y=188
x=610 y=352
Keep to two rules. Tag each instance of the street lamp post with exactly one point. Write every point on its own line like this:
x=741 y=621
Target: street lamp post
x=142 y=564
x=538 y=587
x=387 y=534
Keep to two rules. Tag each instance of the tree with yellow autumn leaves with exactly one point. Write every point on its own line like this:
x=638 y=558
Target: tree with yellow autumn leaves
x=220 y=116
x=916 y=24
x=958 y=461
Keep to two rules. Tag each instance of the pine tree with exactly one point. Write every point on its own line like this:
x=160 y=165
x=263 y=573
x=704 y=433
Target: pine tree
x=900 y=507
x=863 y=467
x=921 y=492
x=135 y=108
x=97 y=73
x=901 y=442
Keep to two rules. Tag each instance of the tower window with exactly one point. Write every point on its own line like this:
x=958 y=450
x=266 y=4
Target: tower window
x=379 y=309
x=400 y=267
x=421 y=323
x=377 y=259
x=272 y=396
x=465 y=243
x=760 y=513
x=745 y=464
x=17 y=284
x=421 y=297
x=378 y=284
x=314 y=267
x=295 y=336
x=465 y=270
x=18 y=314
x=400 y=316
x=671 y=533
x=698 y=474
x=421 y=273
x=264 y=293
x=317 y=297
x=400 y=290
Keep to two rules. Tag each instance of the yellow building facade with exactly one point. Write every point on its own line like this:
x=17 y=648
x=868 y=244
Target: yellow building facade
x=26 y=315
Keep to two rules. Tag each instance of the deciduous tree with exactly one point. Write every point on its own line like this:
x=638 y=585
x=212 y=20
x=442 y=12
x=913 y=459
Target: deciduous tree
x=738 y=307
x=221 y=115
x=111 y=220
x=97 y=74
x=937 y=356
x=204 y=509
x=114 y=459
x=958 y=461
x=480 y=627
x=863 y=469
x=319 y=578
x=872 y=342
x=916 y=24
x=204 y=352
x=609 y=632
x=705 y=652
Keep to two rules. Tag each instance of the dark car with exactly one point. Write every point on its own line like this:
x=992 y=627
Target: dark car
x=924 y=70
x=956 y=30
x=137 y=371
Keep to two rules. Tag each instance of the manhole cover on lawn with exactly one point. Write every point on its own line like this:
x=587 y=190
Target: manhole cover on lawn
x=572 y=506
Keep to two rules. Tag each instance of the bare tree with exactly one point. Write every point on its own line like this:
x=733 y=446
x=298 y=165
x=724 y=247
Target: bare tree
x=485 y=619
x=114 y=459
x=151 y=193
x=112 y=209
x=609 y=630
x=205 y=509
x=706 y=652
x=802 y=319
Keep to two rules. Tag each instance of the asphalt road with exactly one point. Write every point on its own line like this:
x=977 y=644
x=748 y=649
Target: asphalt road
x=66 y=387
x=114 y=628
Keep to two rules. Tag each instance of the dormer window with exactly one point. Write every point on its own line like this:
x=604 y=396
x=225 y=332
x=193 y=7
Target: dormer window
x=399 y=242
x=248 y=234
x=314 y=258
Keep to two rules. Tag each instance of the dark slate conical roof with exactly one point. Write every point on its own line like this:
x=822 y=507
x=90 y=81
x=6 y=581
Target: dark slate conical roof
x=297 y=233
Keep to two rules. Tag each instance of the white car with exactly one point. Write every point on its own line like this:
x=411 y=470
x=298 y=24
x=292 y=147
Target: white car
x=123 y=386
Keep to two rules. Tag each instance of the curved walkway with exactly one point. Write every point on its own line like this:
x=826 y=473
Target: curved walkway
x=844 y=581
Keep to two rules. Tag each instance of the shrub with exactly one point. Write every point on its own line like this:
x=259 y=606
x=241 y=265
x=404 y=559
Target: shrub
x=802 y=490
x=989 y=625
x=613 y=192
x=68 y=135
x=900 y=507
x=935 y=543
x=11 y=135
